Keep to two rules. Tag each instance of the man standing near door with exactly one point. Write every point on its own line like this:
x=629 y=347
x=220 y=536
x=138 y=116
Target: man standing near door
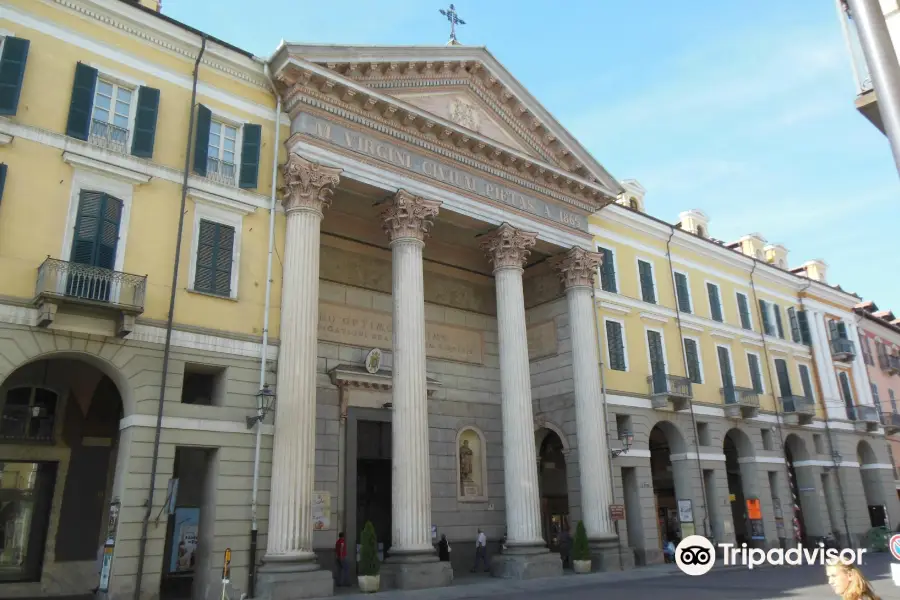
x=481 y=551
x=340 y=560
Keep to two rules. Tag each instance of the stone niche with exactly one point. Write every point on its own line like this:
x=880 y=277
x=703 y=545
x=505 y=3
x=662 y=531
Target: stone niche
x=471 y=465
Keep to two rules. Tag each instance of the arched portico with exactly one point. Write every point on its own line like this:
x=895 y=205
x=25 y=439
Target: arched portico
x=805 y=484
x=553 y=479
x=873 y=489
x=674 y=475
x=741 y=472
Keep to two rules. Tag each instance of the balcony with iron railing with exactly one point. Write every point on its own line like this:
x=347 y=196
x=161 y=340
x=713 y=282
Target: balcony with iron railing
x=889 y=363
x=63 y=284
x=740 y=402
x=109 y=136
x=891 y=422
x=26 y=424
x=867 y=418
x=798 y=410
x=666 y=388
x=843 y=350
x=220 y=171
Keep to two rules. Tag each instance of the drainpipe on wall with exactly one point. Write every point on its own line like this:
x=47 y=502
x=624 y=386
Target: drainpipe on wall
x=165 y=366
x=706 y=523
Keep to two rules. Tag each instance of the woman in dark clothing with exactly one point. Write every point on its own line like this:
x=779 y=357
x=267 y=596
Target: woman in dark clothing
x=444 y=549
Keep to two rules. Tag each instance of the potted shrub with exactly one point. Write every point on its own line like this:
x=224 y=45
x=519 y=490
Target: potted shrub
x=368 y=572
x=581 y=552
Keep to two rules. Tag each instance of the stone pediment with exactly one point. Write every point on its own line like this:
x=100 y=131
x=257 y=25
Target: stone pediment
x=462 y=96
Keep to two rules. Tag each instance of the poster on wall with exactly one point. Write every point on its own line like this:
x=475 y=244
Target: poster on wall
x=754 y=515
x=685 y=511
x=106 y=569
x=184 y=540
x=321 y=510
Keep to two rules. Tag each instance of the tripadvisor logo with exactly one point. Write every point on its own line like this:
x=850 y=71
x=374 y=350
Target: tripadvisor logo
x=696 y=555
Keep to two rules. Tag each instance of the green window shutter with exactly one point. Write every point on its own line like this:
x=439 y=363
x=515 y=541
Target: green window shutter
x=795 y=324
x=833 y=330
x=842 y=330
x=215 y=247
x=681 y=290
x=608 y=272
x=875 y=396
x=779 y=326
x=693 y=361
x=616 y=346
x=201 y=140
x=2 y=179
x=845 y=389
x=78 y=124
x=12 y=73
x=250 y=156
x=725 y=368
x=145 y=122
x=744 y=311
x=96 y=230
x=648 y=293
x=803 y=322
x=715 y=303
x=784 y=380
x=806 y=382
x=755 y=373
x=764 y=314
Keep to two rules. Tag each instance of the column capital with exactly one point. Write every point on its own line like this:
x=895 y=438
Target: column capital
x=307 y=185
x=409 y=216
x=578 y=267
x=507 y=246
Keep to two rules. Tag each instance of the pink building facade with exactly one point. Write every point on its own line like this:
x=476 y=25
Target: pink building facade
x=879 y=332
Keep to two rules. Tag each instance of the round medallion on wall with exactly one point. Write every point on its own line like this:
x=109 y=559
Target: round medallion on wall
x=373 y=361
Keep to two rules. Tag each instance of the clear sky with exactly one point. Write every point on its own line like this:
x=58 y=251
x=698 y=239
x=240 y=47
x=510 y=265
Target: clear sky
x=741 y=109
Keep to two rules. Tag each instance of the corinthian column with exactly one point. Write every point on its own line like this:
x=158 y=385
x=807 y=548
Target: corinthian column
x=507 y=248
x=577 y=269
x=307 y=190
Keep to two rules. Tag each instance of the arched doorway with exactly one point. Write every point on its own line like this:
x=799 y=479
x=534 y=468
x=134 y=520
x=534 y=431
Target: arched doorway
x=668 y=487
x=737 y=445
x=554 y=486
x=59 y=426
x=871 y=479
x=806 y=481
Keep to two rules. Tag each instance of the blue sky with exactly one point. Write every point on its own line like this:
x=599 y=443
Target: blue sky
x=741 y=109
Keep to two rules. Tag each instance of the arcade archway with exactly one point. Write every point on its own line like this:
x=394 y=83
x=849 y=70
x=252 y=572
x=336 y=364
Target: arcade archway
x=554 y=486
x=872 y=487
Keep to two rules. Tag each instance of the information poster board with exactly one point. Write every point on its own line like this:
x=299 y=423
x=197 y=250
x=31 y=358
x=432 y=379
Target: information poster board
x=754 y=515
x=184 y=540
x=321 y=511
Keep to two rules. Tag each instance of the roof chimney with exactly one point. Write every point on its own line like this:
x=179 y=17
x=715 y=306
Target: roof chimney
x=633 y=196
x=151 y=4
x=816 y=270
x=750 y=245
x=695 y=221
x=776 y=254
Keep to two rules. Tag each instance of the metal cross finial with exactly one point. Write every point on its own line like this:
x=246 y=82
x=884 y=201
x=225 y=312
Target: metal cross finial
x=454 y=19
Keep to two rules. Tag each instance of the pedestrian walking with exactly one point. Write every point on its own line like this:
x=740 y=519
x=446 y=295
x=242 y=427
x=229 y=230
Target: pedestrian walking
x=444 y=549
x=849 y=583
x=565 y=547
x=340 y=560
x=481 y=551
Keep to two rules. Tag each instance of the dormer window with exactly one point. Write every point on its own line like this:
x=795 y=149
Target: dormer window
x=700 y=231
x=633 y=204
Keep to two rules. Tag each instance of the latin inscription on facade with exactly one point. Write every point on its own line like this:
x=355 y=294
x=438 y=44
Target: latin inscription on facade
x=368 y=328
x=542 y=340
x=392 y=155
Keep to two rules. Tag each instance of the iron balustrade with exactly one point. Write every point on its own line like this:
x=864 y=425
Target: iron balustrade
x=663 y=384
x=798 y=405
x=740 y=395
x=109 y=136
x=220 y=171
x=866 y=413
x=68 y=280
x=842 y=349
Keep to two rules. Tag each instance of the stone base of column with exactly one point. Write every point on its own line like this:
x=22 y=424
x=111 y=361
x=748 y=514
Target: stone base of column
x=646 y=557
x=608 y=555
x=291 y=579
x=526 y=562
x=415 y=572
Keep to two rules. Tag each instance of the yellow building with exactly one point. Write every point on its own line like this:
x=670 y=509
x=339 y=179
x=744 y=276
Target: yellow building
x=718 y=363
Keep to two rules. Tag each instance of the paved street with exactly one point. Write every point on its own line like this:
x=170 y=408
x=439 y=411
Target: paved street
x=663 y=582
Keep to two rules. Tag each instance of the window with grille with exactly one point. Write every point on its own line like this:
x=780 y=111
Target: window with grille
x=28 y=415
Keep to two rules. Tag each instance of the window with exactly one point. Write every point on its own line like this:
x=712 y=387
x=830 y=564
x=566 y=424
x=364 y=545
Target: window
x=795 y=325
x=779 y=326
x=203 y=385
x=847 y=395
x=215 y=256
x=648 y=286
x=806 y=382
x=715 y=302
x=837 y=330
x=656 y=354
x=767 y=441
x=893 y=401
x=226 y=152
x=803 y=326
x=744 y=311
x=784 y=380
x=633 y=204
x=875 y=398
x=28 y=414
x=727 y=373
x=615 y=346
x=700 y=231
x=683 y=293
x=607 y=271
x=112 y=114
x=623 y=425
x=755 y=373
x=13 y=55
x=94 y=244
x=766 y=319
x=692 y=357
x=867 y=349
x=703 y=438
x=818 y=444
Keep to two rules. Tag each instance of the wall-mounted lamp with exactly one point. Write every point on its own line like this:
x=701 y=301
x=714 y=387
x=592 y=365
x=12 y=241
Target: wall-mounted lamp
x=627 y=438
x=265 y=403
x=836 y=457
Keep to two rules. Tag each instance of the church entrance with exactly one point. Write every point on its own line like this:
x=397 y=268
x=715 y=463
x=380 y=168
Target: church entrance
x=373 y=481
x=554 y=489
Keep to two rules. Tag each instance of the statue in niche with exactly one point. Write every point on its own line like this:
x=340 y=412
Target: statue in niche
x=465 y=463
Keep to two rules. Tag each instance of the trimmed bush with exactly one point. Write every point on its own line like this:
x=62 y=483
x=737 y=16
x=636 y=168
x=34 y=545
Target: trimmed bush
x=580 y=549
x=368 y=551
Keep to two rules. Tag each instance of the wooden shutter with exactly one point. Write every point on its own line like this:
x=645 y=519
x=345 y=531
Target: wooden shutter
x=764 y=316
x=96 y=230
x=784 y=380
x=681 y=290
x=806 y=382
x=842 y=330
x=755 y=373
x=693 y=361
x=215 y=247
x=145 y=122
x=779 y=326
x=848 y=396
x=12 y=73
x=657 y=362
x=795 y=325
x=833 y=331
x=201 y=140
x=744 y=310
x=608 y=272
x=250 y=156
x=3 y=170
x=648 y=294
x=725 y=367
x=715 y=304
x=803 y=322
x=78 y=124
x=616 y=346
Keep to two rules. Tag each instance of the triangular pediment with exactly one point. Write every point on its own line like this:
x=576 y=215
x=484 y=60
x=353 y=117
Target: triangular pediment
x=465 y=86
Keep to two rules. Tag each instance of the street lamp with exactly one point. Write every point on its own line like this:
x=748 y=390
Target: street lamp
x=836 y=458
x=627 y=438
x=265 y=403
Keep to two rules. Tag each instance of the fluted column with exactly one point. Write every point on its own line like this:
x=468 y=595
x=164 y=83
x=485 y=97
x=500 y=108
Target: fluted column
x=860 y=376
x=507 y=248
x=577 y=269
x=307 y=192
x=406 y=222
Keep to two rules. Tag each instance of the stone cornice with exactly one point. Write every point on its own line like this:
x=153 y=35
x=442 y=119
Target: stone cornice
x=302 y=82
